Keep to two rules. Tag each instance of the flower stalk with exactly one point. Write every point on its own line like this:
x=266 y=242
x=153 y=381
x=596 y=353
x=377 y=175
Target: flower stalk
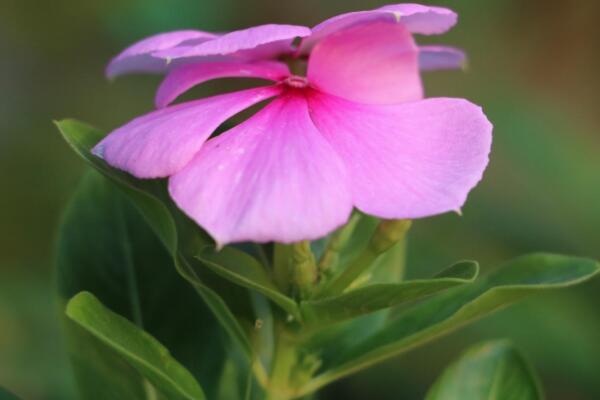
x=387 y=234
x=284 y=361
x=330 y=258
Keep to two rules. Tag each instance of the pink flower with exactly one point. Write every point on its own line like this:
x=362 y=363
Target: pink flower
x=355 y=132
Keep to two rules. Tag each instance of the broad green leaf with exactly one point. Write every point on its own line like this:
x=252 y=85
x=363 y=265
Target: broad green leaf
x=246 y=271
x=348 y=332
x=143 y=352
x=219 y=307
x=456 y=307
x=488 y=371
x=150 y=198
x=6 y=395
x=146 y=194
x=99 y=372
x=105 y=247
x=376 y=297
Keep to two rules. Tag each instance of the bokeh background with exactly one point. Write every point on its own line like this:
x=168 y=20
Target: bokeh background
x=533 y=66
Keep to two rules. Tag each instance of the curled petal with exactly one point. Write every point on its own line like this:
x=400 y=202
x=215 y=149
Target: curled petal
x=274 y=37
x=421 y=19
x=272 y=178
x=373 y=63
x=187 y=76
x=433 y=58
x=416 y=18
x=162 y=142
x=138 y=57
x=409 y=160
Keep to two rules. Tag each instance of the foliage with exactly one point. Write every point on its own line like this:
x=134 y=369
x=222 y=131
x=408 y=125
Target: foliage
x=493 y=370
x=294 y=345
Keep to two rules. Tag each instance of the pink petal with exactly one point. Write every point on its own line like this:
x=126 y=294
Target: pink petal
x=272 y=178
x=162 y=142
x=138 y=58
x=409 y=160
x=369 y=63
x=187 y=76
x=415 y=17
x=425 y=20
x=278 y=36
x=440 y=57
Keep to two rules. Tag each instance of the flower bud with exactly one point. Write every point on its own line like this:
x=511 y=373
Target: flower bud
x=388 y=233
x=304 y=268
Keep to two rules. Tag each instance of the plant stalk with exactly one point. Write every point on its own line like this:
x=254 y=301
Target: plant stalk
x=330 y=257
x=387 y=234
x=284 y=361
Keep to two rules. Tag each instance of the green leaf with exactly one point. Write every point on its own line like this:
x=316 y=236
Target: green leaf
x=151 y=200
x=455 y=308
x=487 y=371
x=246 y=271
x=144 y=353
x=146 y=194
x=376 y=297
x=99 y=372
x=106 y=247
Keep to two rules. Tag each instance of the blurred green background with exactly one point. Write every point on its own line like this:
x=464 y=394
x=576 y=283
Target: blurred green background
x=533 y=66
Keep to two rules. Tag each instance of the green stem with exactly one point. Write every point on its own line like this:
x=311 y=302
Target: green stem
x=395 y=261
x=351 y=272
x=284 y=361
x=331 y=256
x=387 y=234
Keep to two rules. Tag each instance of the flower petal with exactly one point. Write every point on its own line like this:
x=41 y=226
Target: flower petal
x=440 y=57
x=373 y=63
x=138 y=57
x=187 y=76
x=409 y=160
x=272 y=178
x=416 y=18
x=276 y=37
x=422 y=19
x=162 y=142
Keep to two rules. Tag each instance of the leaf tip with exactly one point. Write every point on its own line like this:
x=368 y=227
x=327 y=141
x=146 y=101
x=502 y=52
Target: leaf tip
x=77 y=301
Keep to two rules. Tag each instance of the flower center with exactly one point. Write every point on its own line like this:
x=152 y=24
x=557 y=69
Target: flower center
x=296 y=81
